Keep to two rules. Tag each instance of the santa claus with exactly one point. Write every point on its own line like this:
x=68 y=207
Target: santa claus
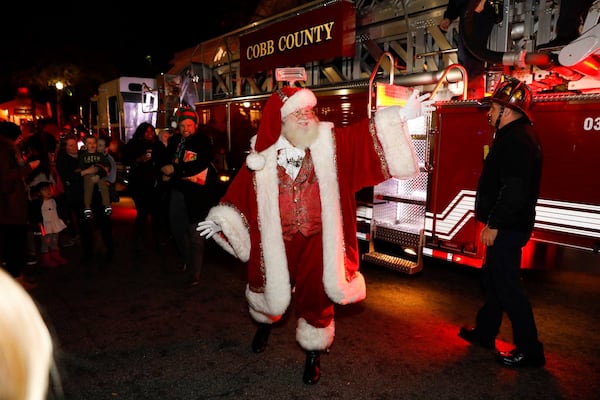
x=290 y=212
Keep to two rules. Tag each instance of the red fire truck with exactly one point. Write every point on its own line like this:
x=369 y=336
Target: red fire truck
x=354 y=53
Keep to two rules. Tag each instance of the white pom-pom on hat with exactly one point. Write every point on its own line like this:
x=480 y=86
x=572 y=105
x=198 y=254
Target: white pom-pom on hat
x=255 y=161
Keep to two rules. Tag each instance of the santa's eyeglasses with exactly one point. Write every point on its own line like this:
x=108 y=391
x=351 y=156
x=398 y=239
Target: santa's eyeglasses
x=305 y=112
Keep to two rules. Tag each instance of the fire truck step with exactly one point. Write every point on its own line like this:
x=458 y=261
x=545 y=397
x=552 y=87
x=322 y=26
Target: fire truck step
x=400 y=235
x=393 y=262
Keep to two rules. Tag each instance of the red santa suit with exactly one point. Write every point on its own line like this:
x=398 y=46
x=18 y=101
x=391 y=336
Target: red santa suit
x=344 y=160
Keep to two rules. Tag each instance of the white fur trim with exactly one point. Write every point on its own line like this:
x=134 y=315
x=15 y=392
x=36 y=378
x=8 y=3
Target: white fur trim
x=255 y=161
x=338 y=289
x=301 y=99
x=278 y=291
x=235 y=230
x=394 y=136
x=311 y=338
x=323 y=154
x=257 y=303
x=355 y=290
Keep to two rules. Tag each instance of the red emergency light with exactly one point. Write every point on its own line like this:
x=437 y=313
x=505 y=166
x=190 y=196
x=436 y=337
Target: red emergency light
x=590 y=66
x=582 y=54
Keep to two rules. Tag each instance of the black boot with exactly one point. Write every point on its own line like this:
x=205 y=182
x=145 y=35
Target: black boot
x=261 y=338
x=312 y=367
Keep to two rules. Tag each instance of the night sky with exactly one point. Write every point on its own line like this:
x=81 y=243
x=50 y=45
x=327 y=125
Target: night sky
x=139 y=41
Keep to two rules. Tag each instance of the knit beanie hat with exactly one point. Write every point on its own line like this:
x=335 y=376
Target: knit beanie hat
x=186 y=112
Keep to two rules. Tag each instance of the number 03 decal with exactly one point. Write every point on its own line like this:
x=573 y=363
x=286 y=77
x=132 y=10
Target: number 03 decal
x=591 y=124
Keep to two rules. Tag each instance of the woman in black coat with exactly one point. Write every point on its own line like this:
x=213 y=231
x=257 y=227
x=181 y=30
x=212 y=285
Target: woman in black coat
x=143 y=154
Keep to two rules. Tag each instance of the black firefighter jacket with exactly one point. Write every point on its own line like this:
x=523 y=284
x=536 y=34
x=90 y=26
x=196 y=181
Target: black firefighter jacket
x=509 y=183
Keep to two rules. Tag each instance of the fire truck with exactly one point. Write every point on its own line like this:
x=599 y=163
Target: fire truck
x=360 y=55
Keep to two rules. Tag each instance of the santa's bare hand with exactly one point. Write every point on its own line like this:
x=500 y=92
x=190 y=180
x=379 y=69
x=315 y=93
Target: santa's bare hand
x=208 y=228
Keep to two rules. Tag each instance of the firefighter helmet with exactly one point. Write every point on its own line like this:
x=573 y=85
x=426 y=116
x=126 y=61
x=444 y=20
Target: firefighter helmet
x=514 y=94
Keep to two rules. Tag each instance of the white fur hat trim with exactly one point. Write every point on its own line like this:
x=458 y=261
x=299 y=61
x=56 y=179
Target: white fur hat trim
x=301 y=99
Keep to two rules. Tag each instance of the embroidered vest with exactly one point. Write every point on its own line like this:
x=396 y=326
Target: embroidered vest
x=300 y=201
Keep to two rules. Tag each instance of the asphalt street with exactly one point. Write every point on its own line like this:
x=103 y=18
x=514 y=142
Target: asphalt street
x=134 y=329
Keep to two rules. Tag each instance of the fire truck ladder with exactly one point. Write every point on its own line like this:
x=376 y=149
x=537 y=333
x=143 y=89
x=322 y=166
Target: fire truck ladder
x=396 y=234
x=408 y=29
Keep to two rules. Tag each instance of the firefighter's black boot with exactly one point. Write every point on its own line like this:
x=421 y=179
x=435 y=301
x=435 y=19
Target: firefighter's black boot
x=312 y=367
x=261 y=338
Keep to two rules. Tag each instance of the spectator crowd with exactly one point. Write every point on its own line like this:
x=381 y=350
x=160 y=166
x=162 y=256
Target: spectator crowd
x=58 y=190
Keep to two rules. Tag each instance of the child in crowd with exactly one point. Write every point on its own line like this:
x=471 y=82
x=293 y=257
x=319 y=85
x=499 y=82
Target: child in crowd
x=50 y=225
x=111 y=177
x=91 y=157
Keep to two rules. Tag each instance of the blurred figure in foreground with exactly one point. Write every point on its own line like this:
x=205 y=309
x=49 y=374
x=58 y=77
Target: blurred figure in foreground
x=26 y=349
x=505 y=202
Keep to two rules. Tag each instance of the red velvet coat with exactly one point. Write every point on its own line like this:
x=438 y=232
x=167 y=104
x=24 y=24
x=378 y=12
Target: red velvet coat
x=346 y=160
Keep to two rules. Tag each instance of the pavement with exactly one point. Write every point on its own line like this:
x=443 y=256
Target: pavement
x=134 y=329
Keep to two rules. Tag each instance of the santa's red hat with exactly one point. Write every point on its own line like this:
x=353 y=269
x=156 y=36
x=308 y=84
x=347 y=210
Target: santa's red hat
x=282 y=103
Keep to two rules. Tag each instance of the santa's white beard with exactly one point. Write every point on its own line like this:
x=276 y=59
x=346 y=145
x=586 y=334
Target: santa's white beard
x=300 y=134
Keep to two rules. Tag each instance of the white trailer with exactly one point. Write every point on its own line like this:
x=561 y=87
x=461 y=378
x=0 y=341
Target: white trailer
x=121 y=105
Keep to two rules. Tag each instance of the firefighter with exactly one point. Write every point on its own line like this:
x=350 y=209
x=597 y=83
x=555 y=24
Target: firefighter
x=290 y=212
x=571 y=17
x=482 y=15
x=507 y=193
